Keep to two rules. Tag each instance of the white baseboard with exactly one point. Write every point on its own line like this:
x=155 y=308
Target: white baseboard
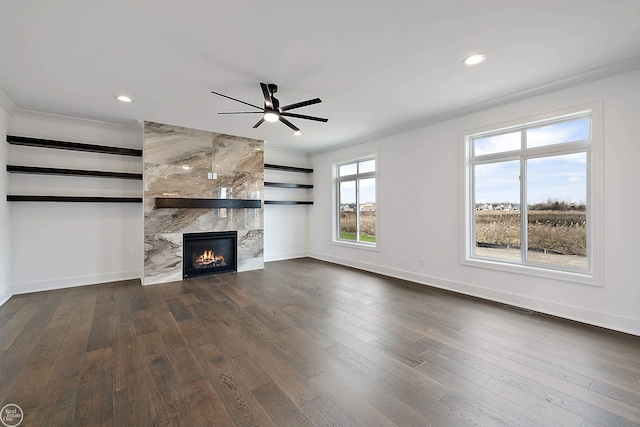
x=283 y=256
x=596 y=318
x=4 y=297
x=48 y=285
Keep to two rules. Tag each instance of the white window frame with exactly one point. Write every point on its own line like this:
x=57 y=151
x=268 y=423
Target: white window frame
x=594 y=149
x=337 y=179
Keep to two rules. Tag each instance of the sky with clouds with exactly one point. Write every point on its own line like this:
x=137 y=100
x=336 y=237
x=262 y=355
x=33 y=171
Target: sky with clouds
x=561 y=177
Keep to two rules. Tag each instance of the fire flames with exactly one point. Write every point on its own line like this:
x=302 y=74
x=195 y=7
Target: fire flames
x=209 y=259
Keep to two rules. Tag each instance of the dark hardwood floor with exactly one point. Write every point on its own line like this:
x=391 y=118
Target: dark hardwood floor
x=304 y=342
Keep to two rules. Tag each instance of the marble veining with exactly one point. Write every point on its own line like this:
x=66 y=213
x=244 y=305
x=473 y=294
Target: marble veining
x=190 y=163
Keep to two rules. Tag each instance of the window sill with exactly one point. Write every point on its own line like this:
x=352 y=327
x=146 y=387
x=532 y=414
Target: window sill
x=355 y=245
x=566 y=276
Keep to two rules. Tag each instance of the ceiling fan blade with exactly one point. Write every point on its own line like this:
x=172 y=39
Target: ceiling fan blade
x=242 y=112
x=300 y=116
x=259 y=123
x=234 y=99
x=267 y=96
x=288 y=123
x=300 y=104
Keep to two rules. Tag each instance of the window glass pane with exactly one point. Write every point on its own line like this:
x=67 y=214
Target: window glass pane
x=367 y=210
x=497 y=143
x=347 y=221
x=350 y=169
x=558 y=133
x=497 y=210
x=557 y=220
x=367 y=166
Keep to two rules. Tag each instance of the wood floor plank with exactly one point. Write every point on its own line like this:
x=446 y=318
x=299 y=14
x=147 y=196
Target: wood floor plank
x=322 y=412
x=541 y=407
x=306 y=342
x=243 y=409
x=349 y=403
x=281 y=410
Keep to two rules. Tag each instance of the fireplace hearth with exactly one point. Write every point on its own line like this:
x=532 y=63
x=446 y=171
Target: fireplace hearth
x=209 y=253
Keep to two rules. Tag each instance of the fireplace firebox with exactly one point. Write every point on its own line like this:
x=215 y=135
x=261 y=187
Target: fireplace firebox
x=209 y=253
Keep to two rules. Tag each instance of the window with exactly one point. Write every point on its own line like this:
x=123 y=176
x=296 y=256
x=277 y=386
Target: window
x=356 y=201
x=529 y=194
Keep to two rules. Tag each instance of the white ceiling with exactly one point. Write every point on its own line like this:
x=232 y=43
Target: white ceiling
x=378 y=66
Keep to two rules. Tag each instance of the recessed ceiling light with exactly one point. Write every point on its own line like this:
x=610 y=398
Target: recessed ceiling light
x=474 y=59
x=124 y=98
x=297 y=133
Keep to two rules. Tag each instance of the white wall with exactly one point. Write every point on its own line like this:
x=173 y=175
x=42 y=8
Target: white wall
x=55 y=245
x=286 y=226
x=420 y=203
x=5 y=226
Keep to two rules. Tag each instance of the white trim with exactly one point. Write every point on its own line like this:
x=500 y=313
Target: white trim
x=4 y=299
x=356 y=245
x=288 y=151
x=611 y=70
x=7 y=104
x=131 y=125
x=284 y=256
x=595 y=208
x=70 y=282
x=553 y=308
x=336 y=179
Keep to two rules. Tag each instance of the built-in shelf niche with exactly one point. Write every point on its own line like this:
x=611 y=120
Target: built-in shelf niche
x=73 y=146
x=288 y=185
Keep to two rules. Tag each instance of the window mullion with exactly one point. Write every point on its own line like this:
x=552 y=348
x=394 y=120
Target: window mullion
x=357 y=210
x=524 y=220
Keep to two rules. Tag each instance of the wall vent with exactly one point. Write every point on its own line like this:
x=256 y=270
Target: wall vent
x=518 y=309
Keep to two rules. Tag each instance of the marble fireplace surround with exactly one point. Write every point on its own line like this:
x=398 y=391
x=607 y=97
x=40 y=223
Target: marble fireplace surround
x=187 y=163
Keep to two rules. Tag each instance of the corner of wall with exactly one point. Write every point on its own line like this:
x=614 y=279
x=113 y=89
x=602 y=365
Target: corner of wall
x=6 y=105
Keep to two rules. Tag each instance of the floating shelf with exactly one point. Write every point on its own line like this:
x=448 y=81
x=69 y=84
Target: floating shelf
x=74 y=146
x=287 y=202
x=287 y=185
x=73 y=172
x=81 y=199
x=170 y=202
x=287 y=168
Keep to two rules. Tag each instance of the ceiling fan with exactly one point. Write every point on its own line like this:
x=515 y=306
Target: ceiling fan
x=273 y=112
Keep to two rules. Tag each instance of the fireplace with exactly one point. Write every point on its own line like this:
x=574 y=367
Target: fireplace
x=209 y=253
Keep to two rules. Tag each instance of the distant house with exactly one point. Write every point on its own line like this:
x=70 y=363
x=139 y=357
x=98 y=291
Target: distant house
x=367 y=207
x=347 y=208
x=484 y=207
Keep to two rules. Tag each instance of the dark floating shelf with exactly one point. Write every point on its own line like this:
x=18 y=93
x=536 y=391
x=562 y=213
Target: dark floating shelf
x=170 y=202
x=74 y=146
x=79 y=199
x=287 y=168
x=73 y=172
x=287 y=202
x=287 y=185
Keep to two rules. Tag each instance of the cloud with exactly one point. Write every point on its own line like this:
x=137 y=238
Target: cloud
x=575 y=179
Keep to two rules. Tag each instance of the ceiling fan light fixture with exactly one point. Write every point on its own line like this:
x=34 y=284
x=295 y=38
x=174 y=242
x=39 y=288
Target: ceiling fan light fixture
x=297 y=133
x=474 y=59
x=271 y=116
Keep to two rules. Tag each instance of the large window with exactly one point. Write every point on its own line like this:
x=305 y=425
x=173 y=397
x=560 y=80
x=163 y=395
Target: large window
x=356 y=201
x=529 y=194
